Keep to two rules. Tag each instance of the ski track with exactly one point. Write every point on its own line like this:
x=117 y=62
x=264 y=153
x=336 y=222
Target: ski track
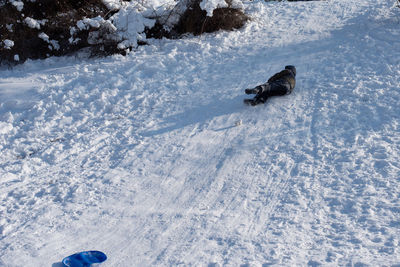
x=139 y=156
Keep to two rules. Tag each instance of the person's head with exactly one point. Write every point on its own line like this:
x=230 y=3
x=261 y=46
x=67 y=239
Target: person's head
x=291 y=68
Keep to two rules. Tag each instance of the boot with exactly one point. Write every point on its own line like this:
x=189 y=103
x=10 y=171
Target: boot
x=252 y=91
x=251 y=102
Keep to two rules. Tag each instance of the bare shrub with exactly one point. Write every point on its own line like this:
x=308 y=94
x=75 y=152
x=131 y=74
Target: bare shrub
x=195 y=20
x=42 y=28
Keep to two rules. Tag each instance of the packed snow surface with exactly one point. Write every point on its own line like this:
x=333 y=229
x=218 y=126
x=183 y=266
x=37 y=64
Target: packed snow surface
x=153 y=159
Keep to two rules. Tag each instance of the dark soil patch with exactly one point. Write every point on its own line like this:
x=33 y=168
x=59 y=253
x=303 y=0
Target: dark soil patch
x=196 y=21
x=54 y=31
x=56 y=18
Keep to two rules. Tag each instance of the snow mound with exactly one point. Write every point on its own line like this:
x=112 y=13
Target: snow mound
x=131 y=24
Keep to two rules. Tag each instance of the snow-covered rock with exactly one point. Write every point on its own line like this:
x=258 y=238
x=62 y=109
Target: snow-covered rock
x=210 y=5
x=33 y=23
x=43 y=36
x=8 y=44
x=131 y=24
x=19 y=5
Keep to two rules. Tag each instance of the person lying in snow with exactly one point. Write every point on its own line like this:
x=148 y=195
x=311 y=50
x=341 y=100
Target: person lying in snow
x=281 y=83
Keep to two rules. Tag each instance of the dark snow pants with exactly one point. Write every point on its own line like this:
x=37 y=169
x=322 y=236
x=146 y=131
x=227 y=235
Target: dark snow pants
x=266 y=90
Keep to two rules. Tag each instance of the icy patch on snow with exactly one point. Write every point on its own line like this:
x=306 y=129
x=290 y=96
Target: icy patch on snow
x=17 y=94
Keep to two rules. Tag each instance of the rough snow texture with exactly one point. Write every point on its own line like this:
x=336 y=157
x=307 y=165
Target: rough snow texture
x=139 y=156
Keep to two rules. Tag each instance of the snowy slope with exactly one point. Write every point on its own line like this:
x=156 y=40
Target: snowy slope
x=139 y=156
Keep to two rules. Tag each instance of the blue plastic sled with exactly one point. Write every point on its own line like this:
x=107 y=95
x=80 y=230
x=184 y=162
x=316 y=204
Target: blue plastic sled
x=84 y=259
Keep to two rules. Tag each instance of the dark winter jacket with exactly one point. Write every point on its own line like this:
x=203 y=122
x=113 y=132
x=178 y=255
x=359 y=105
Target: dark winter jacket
x=281 y=83
x=288 y=75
